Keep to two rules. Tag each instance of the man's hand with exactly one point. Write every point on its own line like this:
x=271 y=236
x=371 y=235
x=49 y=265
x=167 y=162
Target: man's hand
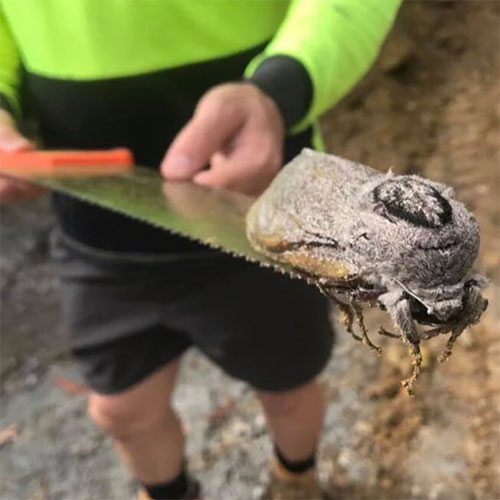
x=238 y=131
x=11 y=141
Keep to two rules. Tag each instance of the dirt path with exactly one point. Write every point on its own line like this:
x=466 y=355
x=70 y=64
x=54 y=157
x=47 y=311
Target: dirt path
x=430 y=106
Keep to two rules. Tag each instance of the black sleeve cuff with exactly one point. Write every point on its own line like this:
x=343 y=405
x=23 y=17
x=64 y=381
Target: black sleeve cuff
x=288 y=83
x=5 y=105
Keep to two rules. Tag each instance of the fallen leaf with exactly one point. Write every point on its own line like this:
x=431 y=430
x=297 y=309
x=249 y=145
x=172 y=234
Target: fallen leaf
x=69 y=386
x=8 y=434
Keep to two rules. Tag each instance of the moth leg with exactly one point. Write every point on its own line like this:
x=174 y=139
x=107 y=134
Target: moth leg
x=456 y=331
x=399 y=309
x=410 y=338
x=358 y=311
x=475 y=305
x=386 y=333
x=347 y=315
x=448 y=348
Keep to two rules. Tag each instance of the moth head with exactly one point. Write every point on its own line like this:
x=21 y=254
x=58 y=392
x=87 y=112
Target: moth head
x=464 y=308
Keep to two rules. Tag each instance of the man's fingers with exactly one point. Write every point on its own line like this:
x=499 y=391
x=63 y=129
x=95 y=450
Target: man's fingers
x=212 y=177
x=239 y=131
x=214 y=123
x=11 y=140
x=220 y=178
x=226 y=171
x=237 y=171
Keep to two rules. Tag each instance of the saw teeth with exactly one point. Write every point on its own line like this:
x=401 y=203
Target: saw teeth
x=137 y=178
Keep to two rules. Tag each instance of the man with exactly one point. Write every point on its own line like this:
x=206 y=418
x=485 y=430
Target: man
x=235 y=86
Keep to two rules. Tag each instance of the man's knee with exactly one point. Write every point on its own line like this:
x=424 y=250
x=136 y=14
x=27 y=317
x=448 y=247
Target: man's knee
x=283 y=403
x=123 y=419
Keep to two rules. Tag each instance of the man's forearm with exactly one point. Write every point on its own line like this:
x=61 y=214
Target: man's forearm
x=335 y=41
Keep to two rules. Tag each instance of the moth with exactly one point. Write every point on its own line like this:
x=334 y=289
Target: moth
x=399 y=242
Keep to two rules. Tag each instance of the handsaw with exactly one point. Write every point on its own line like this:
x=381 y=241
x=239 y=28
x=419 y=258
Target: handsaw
x=109 y=179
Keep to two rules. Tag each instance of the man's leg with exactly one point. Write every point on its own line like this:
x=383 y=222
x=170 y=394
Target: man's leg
x=273 y=333
x=295 y=419
x=145 y=428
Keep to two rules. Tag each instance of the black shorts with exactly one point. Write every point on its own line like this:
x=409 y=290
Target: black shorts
x=127 y=316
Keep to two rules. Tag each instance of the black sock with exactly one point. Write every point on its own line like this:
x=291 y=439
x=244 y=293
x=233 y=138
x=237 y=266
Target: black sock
x=292 y=466
x=174 y=489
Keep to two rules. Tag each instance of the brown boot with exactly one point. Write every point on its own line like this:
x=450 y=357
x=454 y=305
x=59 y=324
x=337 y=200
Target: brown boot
x=285 y=485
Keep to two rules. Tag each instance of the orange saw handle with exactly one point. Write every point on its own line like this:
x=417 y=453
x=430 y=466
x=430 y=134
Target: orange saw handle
x=34 y=162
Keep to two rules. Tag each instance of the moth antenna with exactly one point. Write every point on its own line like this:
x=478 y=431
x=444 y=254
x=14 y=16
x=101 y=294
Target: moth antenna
x=413 y=294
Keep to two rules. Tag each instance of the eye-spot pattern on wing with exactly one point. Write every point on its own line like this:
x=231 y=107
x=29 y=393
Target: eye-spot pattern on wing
x=414 y=201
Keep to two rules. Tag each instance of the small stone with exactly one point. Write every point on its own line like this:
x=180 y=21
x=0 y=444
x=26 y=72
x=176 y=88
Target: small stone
x=416 y=490
x=436 y=491
x=32 y=363
x=240 y=428
x=31 y=380
x=257 y=492
x=85 y=447
x=362 y=427
x=260 y=421
x=346 y=457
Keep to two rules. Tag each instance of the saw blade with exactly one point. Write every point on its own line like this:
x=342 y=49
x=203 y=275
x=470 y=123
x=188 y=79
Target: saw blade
x=215 y=218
